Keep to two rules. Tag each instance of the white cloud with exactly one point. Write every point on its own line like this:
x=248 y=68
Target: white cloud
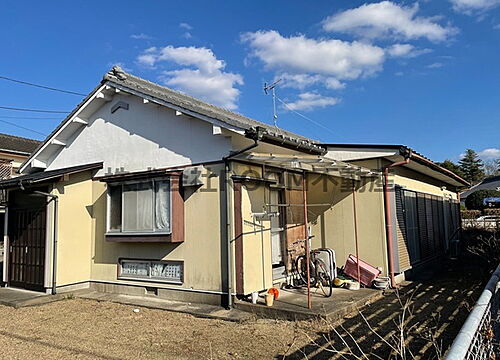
x=406 y=51
x=186 y=26
x=309 y=100
x=203 y=76
x=300 y=55
x=140 y=36
x=301 y=81
x=388 y=20
x=435 y=65
x=472 y=6
x=490 y=153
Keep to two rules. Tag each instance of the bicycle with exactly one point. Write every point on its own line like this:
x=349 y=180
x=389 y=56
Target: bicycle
x=319 y=275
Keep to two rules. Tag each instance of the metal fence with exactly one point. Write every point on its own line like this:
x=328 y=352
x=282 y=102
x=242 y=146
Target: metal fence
x=479 y=336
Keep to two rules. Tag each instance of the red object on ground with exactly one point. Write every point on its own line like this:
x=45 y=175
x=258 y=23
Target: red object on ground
x=368 y=273
x=275 y=292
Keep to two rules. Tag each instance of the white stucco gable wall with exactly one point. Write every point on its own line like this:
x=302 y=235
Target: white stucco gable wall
x=142 y=137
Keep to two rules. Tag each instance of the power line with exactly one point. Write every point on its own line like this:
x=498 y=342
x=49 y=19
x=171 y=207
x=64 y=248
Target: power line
x=22 y=127
x=41 y=86
x=305 y=117
x=33 y=110
x=28 y=117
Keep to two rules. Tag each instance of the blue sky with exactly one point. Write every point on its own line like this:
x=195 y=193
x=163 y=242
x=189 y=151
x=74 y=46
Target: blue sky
x=424 y=74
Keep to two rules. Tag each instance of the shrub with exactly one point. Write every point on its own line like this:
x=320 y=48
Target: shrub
x=475 y=200
x=492 y=212
x=470 y=214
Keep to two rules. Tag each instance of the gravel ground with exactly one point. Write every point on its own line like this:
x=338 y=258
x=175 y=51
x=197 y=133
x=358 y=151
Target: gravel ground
x=85 y=329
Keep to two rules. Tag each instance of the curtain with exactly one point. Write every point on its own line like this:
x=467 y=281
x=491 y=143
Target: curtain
x=162 y=208
x=137 y=207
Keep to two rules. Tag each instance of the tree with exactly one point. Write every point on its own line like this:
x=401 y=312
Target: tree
x=475 y=200
x=450 y=165
x=472 y=166
x=492 y=167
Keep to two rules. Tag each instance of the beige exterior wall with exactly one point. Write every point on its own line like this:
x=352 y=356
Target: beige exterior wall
x=200 y=251
x=85 y=255
x=257 y=268
x=333 y=225
x=74 y=228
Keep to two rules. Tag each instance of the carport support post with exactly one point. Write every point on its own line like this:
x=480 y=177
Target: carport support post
x=306 y=232
x=356 y=227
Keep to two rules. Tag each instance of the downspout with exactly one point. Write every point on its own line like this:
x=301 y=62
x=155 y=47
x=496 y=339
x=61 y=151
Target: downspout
x=387 y=210
x=355 y=211
x=226 y=233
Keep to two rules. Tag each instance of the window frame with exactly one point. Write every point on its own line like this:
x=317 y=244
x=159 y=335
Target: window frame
x=121 y=232
x=149 y=278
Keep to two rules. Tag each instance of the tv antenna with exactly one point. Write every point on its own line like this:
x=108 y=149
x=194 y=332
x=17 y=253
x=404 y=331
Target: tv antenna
x=272 y=88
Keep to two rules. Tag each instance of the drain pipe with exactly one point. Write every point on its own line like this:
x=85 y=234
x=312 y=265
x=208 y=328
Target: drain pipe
x=226 y=231
x=387 y=210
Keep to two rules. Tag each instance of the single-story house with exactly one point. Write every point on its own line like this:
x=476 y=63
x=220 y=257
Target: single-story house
x=144 y=190
x=490 y=183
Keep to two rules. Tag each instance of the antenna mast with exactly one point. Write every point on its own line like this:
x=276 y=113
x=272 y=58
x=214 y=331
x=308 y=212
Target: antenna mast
x=272 y=87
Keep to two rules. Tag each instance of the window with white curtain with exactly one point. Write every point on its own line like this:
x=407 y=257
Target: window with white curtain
x=139 y=207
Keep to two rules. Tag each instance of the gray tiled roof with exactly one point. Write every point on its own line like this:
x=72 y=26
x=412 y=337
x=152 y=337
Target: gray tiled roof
x=118 y=76
x=17 y=144
x=492 y=183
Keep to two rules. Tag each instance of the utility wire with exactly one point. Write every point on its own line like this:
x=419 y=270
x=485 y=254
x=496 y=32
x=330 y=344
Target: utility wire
x=41 y=86
x=28 y=117
x=33 y=110
x=305 y=117
x=22 y=127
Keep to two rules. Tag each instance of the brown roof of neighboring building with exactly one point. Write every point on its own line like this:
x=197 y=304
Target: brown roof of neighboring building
x=17 y=144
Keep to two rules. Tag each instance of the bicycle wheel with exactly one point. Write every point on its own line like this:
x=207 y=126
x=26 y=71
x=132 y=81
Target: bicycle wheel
x=325 y=281
x=300 y=265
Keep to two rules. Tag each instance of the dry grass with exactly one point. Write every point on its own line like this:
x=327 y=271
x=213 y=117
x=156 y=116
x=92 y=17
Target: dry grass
x=85 y=329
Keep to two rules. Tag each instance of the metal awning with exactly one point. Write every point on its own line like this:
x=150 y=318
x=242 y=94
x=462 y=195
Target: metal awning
x=310 y=163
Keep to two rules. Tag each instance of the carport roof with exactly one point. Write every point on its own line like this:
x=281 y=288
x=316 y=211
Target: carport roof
x=311 y=163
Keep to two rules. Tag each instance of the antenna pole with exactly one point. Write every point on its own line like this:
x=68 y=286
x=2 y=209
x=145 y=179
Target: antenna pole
x=272 y=87
x=275 y=115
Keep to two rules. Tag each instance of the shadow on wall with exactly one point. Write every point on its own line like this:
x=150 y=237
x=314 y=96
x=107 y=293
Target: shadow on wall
x=323 y=194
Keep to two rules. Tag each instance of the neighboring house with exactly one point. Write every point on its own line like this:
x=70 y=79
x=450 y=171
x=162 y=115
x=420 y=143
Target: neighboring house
x=491 y=183
x=14 y=150
x=144 y=190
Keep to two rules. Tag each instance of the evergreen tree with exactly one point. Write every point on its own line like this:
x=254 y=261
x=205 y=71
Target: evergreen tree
x=472 y=167
x=450 y=165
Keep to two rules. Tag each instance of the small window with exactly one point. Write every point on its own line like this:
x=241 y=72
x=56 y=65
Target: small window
x=139 y=207
x=151 y=270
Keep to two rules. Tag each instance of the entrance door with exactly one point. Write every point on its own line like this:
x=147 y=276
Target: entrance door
x=27 y=232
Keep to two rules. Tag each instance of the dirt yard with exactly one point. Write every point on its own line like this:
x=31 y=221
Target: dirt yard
x=84 y=329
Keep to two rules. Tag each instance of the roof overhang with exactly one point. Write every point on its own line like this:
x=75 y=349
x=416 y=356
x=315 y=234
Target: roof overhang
x=46 y=176
x=394 y=153
x=311 y=164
